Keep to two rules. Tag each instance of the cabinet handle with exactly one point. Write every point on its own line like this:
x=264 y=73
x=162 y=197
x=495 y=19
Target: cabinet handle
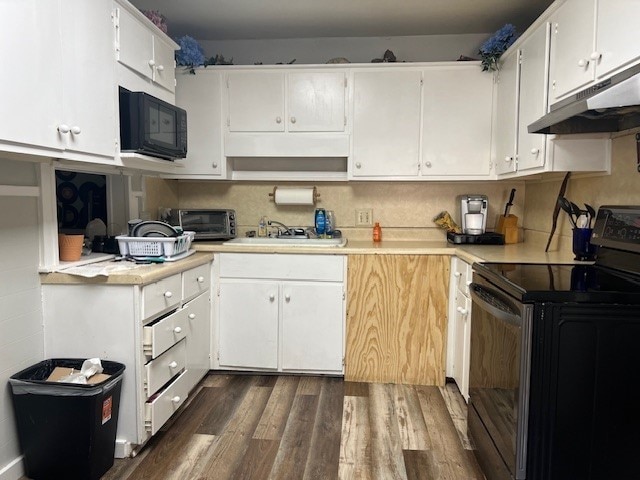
x=278 y=120
x=535 y=151
x=358 y=165
x=160 y=68
x=272 y=297
x=457 y=274
x=596 y=56
x=176 y=399
x=152 y=62
x=583 y=62
x=287 y=298
x=177 y=330
x=469 y=282
x=508 y=159
x=293 y=119
x=173 y=364
x=168 y=294
x=62 y=128
x=463 y=311
x=192 y=316
x=200 y=279
x=427 y=164
x=76 y=130
x=214 y=165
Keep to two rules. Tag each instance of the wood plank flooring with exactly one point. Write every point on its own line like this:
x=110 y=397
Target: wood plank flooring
x=290 y=427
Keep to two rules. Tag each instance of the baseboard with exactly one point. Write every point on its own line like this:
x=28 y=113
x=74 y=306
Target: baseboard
x=12 y=470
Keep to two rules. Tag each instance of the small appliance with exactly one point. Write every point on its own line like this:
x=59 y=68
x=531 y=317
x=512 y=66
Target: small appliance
x=473 y=213
x=208 y=224
x=151 y=126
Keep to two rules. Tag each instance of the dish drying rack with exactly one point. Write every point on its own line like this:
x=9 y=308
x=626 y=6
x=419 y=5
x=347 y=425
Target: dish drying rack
x=166 y=247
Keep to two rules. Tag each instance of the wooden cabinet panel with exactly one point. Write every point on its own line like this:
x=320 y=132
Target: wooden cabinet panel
x=397 y=318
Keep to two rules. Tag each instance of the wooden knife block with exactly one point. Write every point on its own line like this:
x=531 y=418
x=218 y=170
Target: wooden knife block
x=508 y=226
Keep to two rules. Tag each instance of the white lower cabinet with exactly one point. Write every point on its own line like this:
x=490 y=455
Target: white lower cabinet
x=280 y=312
x=161 y=331
x=459 y=325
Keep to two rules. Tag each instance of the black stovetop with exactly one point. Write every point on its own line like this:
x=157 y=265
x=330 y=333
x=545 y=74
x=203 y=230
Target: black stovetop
x=562 y=283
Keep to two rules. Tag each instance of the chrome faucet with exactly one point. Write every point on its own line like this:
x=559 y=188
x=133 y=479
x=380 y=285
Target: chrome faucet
x=282 y=228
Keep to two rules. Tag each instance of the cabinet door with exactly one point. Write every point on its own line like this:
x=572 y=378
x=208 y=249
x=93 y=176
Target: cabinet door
x=256 y=102
x=198 y=321
x=316 y=102
x=164 y=70
x=456 y=130
x=200 y=95
x=462 y=345
x=312 y=326
x=572 y=43
x=32 y=83
x=617 y=35
x=135 y=44
x=89 y=86
x=386 y=123
x=248 y=323
x=507 y=114
x=533 y=97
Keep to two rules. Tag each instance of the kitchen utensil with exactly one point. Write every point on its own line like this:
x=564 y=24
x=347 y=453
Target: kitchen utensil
x=556 y=209
x=566 y=206
x=592 y=213
x=577 y=211
x=510 y=202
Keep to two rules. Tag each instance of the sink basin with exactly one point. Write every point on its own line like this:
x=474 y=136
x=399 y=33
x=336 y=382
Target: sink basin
x=289 y=242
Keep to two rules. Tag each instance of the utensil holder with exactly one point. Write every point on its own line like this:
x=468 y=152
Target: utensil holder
x=583 y=249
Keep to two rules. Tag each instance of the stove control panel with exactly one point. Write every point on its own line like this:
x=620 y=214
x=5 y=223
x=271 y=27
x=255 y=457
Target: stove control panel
x=618 y=226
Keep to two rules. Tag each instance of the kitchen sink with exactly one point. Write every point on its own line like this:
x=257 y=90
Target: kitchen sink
x=287 y=241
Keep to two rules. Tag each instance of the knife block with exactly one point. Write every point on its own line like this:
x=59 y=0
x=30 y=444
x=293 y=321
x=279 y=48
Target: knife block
x=508 y=226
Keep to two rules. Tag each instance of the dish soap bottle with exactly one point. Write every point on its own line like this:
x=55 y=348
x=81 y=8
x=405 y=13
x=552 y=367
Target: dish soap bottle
x=321 y=221
x=262 y=227
x=377 y=232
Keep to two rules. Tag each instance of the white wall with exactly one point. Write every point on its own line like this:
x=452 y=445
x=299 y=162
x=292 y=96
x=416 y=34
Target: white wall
x=21 y=334
x=419 y=48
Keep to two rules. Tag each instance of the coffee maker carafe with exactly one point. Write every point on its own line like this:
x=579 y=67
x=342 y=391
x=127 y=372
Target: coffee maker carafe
x=473 y=214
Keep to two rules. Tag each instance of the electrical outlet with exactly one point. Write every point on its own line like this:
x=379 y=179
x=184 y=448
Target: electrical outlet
x=364 y=217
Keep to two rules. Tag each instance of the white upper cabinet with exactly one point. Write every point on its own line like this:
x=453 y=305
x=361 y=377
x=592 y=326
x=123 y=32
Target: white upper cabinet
x=533 y=87
x=386 y=123
x=62 y=101
x=255 y=102
x=456 y=116
x=590 y=40
x=572 y=44
x=201 y=96
x=506 y=120
x=617 y=35
x=144 y=49
x=297 y=101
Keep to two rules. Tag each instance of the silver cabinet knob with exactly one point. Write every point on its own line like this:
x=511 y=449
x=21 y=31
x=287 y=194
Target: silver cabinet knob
x=200 y=279
x=457 y=274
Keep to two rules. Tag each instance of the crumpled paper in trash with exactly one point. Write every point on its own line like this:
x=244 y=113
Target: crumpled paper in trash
x=89 y=368
x=444 y=220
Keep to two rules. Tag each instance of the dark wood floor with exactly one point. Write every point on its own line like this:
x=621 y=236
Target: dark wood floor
x=290 y=427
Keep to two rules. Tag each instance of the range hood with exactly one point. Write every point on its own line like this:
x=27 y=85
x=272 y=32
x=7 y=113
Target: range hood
x=612 y=105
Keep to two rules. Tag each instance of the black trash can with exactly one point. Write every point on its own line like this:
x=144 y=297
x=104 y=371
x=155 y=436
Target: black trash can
x=66 y=430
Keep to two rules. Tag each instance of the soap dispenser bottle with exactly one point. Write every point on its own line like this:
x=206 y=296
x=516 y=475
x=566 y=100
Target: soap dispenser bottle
x=262 y=227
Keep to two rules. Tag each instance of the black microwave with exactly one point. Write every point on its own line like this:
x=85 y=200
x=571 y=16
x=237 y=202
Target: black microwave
x=151 y=126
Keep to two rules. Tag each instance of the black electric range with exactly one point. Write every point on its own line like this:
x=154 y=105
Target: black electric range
x=554 y=372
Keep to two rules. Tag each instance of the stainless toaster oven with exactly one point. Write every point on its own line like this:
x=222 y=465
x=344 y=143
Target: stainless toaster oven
x=209 y=224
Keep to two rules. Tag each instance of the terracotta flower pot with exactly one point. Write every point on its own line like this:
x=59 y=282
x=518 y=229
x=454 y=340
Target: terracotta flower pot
x=70 y=247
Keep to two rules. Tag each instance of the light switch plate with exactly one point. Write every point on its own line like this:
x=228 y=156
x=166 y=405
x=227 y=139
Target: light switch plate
x=364 y=217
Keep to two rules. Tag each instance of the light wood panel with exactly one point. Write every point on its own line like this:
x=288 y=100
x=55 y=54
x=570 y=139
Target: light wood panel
x=397 y=319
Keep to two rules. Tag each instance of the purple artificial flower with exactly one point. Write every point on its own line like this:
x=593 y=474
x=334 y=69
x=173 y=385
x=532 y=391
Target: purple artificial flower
x=495 y=46
x=157 y=19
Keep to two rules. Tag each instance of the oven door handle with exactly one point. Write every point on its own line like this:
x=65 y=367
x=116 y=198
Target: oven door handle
x=479 y=294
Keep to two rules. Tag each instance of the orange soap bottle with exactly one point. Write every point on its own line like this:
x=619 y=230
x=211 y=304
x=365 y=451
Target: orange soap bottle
x=377 y=232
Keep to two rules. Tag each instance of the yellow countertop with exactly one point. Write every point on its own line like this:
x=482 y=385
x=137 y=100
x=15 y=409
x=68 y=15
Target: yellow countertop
x=131 y=274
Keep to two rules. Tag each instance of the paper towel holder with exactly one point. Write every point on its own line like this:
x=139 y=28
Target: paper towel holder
x=315 y=195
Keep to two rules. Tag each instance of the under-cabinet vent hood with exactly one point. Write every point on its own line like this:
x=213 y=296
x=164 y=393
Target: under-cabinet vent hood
x=612 y=105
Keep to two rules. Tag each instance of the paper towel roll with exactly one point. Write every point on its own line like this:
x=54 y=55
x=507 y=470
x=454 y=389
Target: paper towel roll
x=295 y=196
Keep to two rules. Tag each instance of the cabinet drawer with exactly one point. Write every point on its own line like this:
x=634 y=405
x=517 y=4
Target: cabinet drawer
x=160 y=335
x=196 y=281
x=161 y=296
x=162 y=369
x=160 y=408
x=327 y=268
